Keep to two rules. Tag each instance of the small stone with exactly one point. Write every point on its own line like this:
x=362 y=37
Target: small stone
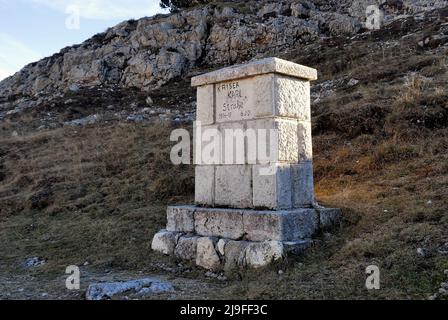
x=142 y=287
x=206 y=255
x=353 y=82
x=34 y=262
x=422 y=252
x=165 y=242
x=186 y=248
x=149 y=101
x=445 y=272
x=221 y=246
x=222 y=278
x=280 y=272
x=260 y=254
x=73 y=88
x=135 y=118
x=235 y=254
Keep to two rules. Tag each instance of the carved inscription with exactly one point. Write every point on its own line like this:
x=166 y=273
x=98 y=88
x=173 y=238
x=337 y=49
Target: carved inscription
x=232 y=101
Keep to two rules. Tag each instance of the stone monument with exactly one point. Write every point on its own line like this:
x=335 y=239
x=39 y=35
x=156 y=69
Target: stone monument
x=251 y=207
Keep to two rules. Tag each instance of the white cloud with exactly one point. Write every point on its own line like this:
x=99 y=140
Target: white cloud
x=5 y=74
x=105 y=9
x=14 y=55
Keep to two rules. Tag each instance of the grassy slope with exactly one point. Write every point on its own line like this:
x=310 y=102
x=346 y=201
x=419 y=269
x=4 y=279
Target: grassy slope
x=98 y=193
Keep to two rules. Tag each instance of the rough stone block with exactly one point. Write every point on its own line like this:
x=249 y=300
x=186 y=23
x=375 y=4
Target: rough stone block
x=225 y=223
x=305 y=141
x=221 y=246
x=207 y=145
x=329 y=218
x=288 y=225
x=297 y=247
x=261 y=254
x=205 y=104
x=235 y=255
x=302 y=184
x=206 y=255
x=300 y=224
x=243 y=99
x=180 y=218
x=186 y=248
x=204 y=185
x=292 y=98
x=263 y=225
x=272 y=186
x=276 y=141
x=165 y=242
x=233 y=186
x=263 y=66
x=233 y=144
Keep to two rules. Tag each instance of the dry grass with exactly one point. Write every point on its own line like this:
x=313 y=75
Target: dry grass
x=92 y=194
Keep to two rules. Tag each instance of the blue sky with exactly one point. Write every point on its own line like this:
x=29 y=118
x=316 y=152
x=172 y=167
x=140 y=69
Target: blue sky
x=33 y=29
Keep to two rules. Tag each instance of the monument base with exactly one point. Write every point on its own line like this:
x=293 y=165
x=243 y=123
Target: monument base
x=225 y=239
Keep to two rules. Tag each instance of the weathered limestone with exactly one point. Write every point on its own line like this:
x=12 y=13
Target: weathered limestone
x=280 y=225
x=205 y=185
x=260 y=254
x=302 y=184
x=207 y=257
x=180 y=219
x=263 y=66
x=253 y=152
x=272 y=191
x=186 y=248
x=244 y=99
x=219 y=223
x=292 y=98
x=233 y=186
x=165 y=242
x=284 y=148
x=235 y=255
x=205 y=96
x=304 y=141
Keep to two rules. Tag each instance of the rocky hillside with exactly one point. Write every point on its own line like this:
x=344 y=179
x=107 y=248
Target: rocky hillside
x=148 y=53
x=114 y=71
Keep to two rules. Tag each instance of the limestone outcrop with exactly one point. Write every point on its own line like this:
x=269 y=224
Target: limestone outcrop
x=150 y=52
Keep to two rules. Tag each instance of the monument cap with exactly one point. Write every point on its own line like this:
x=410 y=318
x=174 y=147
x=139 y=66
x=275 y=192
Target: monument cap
x=258 y=67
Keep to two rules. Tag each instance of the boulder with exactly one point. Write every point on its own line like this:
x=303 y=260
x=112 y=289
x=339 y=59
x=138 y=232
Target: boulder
x=140 y=287
x=206 y=255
